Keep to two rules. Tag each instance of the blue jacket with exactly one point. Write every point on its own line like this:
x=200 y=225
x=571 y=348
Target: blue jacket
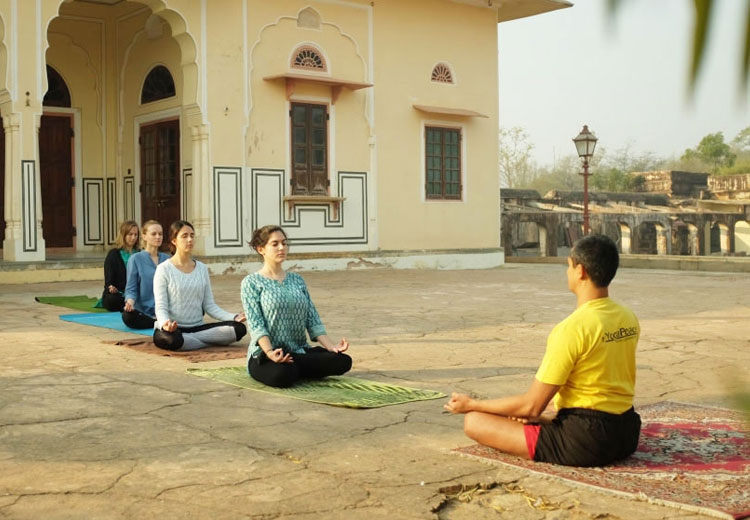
x=140 y=285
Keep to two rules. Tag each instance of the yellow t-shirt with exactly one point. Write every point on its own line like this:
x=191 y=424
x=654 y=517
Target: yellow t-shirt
x=591 y=355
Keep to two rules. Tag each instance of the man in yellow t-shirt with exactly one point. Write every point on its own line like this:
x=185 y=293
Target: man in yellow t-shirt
x=589 y=369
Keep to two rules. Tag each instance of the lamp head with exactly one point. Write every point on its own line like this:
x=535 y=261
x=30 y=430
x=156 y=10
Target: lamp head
x=585 y=143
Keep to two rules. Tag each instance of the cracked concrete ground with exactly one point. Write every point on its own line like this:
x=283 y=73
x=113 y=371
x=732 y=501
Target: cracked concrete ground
x=90 y=430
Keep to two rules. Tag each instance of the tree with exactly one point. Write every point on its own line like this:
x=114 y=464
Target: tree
x=613 y=170
x=564 y=175
x=741 y=142
x=516 y=167
x=712 y=150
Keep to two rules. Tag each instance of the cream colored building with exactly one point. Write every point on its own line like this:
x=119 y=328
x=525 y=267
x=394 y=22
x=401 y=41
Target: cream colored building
x=359 y=126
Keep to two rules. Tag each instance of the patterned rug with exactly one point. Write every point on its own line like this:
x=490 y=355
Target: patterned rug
x=218 y=353
x=691 y=457
x=349 y=392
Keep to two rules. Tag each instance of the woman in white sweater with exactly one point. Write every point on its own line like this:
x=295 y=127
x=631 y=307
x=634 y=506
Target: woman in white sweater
x=182 y=293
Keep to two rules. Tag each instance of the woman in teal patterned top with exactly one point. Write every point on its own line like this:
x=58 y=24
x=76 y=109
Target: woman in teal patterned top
x=280 y=315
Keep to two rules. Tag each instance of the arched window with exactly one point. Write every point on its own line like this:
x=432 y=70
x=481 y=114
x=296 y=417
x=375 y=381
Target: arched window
x=158 y=85
x=57 y=94
x=308 y=57
x=442 y=74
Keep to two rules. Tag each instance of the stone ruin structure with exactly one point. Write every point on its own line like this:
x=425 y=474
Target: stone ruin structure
x=677 y=213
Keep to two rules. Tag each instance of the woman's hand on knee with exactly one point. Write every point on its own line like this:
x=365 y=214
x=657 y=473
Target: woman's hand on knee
x=169 y=326
x=341 y=346
x=129 y=305
x=277 y=355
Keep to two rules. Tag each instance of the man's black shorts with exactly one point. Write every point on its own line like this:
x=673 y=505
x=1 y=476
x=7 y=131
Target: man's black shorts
x=583 y=437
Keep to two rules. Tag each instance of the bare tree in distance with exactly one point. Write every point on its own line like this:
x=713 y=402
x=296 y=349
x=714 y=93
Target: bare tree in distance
x=516 y=167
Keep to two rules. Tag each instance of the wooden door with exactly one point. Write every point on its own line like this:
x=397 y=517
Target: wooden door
x=160 y=172
x=56 y=175
x=309 y=149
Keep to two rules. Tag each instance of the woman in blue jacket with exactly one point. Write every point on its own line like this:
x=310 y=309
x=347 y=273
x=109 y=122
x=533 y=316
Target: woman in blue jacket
x=139 y=312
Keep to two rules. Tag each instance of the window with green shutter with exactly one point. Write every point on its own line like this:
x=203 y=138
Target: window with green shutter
x=443 y=163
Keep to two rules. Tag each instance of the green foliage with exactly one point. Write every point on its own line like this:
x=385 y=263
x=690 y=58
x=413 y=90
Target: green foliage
x=712 y=150
x=741 y=165
x=741 y=142
x=563 y=175
x=613 y=179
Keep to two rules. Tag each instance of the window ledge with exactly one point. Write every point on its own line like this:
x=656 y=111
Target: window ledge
x=332 y=202
x=291 y=79
x=449 y=111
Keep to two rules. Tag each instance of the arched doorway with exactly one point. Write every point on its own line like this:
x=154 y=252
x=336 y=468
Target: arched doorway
x=159 y=150
x=719 y=239
x=742 y=237
x=645 y=235
x=133 y=98
x=529 y=239
x=56 y=164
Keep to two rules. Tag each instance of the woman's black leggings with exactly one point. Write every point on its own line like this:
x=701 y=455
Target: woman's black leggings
x=206 y=335
x=315 y=364
x=113 y=302
x=137 y=320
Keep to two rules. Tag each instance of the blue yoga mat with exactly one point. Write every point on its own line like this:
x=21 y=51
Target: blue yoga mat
x=107 y=320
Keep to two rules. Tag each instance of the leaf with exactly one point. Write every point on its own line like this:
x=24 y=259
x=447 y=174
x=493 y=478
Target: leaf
x=746 y=53
x=700 y=35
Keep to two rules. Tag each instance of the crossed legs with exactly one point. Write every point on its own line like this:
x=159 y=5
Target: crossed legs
x=315 y=364
x=497 y=432
x=194 y=338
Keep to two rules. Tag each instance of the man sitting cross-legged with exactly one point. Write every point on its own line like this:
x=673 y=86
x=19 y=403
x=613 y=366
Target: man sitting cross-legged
x=589 y=369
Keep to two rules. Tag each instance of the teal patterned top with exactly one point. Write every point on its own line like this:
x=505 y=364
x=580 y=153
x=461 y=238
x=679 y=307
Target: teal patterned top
x=283 y=311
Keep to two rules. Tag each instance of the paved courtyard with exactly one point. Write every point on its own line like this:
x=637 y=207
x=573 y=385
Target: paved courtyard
x=90 y=430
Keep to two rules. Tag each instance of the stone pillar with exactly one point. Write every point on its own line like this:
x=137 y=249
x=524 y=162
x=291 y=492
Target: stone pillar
x=706 y=249
x=23 y=202
x=506 y=233
x=202 y=186
x=694 y=246
x=625 y=239
x=729 y=241
x=662 y=240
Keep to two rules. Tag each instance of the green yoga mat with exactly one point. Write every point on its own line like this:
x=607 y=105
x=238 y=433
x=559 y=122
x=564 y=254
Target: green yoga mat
x=77 y=303
x=349 y=392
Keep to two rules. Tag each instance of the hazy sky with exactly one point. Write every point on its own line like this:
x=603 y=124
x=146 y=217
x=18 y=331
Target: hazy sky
x=625 y=77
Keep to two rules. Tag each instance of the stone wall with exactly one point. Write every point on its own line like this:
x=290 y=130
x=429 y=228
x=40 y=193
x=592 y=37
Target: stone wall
x=730 y=186
x=673 y=182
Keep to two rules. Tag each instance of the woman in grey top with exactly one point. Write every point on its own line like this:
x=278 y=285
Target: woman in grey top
x=182 y=293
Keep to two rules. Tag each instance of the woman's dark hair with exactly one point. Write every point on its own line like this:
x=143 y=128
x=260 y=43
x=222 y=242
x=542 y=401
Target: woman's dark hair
x=598 y=255
x=174 y=230
x=261 y=236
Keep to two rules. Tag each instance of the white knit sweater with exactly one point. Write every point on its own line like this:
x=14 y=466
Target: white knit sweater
x=184 y=297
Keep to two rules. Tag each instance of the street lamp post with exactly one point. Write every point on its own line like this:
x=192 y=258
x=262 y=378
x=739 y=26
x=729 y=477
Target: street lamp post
x=585 y=143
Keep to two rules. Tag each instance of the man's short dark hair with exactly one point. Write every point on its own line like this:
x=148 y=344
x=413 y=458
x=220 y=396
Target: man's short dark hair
x=598 y=255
